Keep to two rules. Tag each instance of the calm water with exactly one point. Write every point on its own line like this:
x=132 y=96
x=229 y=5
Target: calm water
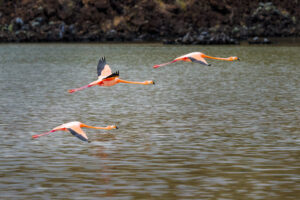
x=229 y=131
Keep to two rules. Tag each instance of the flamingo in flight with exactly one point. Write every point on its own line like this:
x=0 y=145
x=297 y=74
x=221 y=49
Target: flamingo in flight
x=107 y=78
x=196 y=57
x=75 y=129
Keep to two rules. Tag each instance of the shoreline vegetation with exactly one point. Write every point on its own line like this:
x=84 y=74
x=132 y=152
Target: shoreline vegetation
x=164 y=21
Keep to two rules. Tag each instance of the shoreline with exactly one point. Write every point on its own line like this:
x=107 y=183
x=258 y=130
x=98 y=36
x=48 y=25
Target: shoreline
x=291 y=41
x=168 y=22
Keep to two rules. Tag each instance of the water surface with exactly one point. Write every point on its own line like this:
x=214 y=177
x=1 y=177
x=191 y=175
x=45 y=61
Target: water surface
x=228 y=131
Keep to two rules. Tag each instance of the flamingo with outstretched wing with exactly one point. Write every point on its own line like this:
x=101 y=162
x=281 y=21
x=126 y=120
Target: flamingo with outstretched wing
x=107 y=78
x=196 y=57
x=75 y=129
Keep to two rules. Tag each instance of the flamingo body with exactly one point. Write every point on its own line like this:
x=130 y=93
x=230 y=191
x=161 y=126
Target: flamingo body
x=110 y=80
x=75 y=129
x=107 y=78
x=105 y=82
x=109 y=83
x=196 y=57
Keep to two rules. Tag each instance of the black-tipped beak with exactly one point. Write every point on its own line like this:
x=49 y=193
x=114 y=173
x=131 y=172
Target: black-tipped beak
x=89 y=141
x=238 y=59
x=208 y=64
x=117 y=127
x=153 y=82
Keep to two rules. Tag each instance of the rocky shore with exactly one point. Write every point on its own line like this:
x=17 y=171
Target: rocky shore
x=167 y=21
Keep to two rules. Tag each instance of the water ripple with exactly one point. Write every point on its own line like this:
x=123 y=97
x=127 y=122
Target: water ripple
x=229 y=131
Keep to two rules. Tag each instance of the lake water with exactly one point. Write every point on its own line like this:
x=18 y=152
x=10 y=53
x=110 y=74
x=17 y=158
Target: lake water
x=226 y=131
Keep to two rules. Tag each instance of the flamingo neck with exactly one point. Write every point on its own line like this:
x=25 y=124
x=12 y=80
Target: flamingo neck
x=216 y=58
x=94 y=127
x=134 y=82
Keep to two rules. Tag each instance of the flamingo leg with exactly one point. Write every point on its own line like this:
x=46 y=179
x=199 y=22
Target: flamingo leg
x=39 y=135
x=81 y=88
x=133 y=82
x=160 y=65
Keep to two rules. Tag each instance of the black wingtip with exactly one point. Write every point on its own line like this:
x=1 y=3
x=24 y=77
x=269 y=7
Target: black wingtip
x=101 y=65
x=103 y=60
x=115 y=74
x=77 y=135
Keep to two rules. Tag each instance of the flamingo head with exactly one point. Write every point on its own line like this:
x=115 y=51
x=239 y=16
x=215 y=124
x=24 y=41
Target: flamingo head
x=150 y=82
x=113 y=127
x=233 y=58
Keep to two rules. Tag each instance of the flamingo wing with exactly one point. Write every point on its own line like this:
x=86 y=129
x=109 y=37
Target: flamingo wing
x=199 y=60
x=103 y=69
x=79 y=133
x=196 y=57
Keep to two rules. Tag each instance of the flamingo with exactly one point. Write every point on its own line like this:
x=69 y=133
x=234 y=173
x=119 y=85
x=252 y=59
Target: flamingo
x=197 y=57
x=75 y=129
x=107 y=78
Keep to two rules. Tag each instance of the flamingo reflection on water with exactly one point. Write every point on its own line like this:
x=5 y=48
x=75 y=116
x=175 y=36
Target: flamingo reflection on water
x=196 y=57
x=75 y=129
x=107 y=78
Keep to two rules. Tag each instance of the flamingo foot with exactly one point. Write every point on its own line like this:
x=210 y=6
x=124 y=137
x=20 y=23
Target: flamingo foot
x=71 y=91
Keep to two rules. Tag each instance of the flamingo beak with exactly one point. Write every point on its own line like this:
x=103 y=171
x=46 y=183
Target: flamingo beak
x=238 y=59
x=153 y=82
x=113 y=127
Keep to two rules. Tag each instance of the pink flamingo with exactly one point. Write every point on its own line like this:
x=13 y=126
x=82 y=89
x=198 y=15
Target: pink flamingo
x=196 y=57
x=75 y=129
x=107 y=78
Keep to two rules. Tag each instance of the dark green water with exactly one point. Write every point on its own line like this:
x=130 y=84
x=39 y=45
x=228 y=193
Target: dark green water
x=229 y=131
